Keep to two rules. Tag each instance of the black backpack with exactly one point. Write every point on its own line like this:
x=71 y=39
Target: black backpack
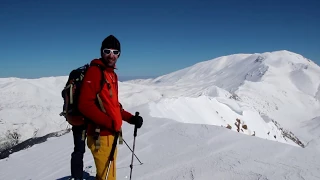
x=70 y=95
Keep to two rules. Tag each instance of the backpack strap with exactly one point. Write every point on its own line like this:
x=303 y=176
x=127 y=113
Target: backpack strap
x=97 y=129
x=103 y=80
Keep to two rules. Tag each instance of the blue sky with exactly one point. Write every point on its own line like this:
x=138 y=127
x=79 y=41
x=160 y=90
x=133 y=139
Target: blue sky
x=49 y=38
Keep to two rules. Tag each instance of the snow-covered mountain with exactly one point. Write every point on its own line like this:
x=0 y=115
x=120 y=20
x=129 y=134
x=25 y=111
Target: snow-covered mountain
x=188 y=113
x=273 y=95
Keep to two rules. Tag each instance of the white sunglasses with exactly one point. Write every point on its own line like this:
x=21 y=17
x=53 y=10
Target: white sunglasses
x=108 y=51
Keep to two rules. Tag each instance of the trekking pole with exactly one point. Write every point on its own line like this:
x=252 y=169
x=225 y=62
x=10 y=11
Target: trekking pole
x=110 y=158
x=134 y=143
x=132 y=152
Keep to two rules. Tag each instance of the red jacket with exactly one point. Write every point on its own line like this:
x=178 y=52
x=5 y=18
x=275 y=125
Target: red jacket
x=91 y=85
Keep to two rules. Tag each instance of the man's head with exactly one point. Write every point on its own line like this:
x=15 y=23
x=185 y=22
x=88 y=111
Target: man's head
x=110 y=50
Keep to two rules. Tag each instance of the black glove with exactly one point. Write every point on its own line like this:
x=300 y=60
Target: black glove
x=137 y=121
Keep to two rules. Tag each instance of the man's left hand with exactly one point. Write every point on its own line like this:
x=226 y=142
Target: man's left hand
x=137 y=121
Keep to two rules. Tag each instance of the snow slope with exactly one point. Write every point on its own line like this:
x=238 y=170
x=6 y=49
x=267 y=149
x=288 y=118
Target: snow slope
x=30 y=107
x=174 y=150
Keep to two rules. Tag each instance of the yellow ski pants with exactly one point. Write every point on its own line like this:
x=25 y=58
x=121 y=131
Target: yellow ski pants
x=101 y=157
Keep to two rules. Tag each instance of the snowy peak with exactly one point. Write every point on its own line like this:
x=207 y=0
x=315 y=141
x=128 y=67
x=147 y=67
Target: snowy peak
x=288 y=56
x=218 y=71
x=230 y=72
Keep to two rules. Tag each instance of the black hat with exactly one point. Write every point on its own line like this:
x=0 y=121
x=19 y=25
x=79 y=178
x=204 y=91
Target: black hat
x=110 y=42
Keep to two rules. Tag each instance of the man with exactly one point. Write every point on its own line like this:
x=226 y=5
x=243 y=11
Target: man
x=99 y=103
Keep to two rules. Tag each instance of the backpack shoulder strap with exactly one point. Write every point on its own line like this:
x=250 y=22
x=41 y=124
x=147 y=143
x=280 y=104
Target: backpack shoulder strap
x=103 y=79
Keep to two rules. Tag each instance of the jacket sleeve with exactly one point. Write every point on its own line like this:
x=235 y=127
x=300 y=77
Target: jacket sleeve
x=87 y=104
x=125 y=114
